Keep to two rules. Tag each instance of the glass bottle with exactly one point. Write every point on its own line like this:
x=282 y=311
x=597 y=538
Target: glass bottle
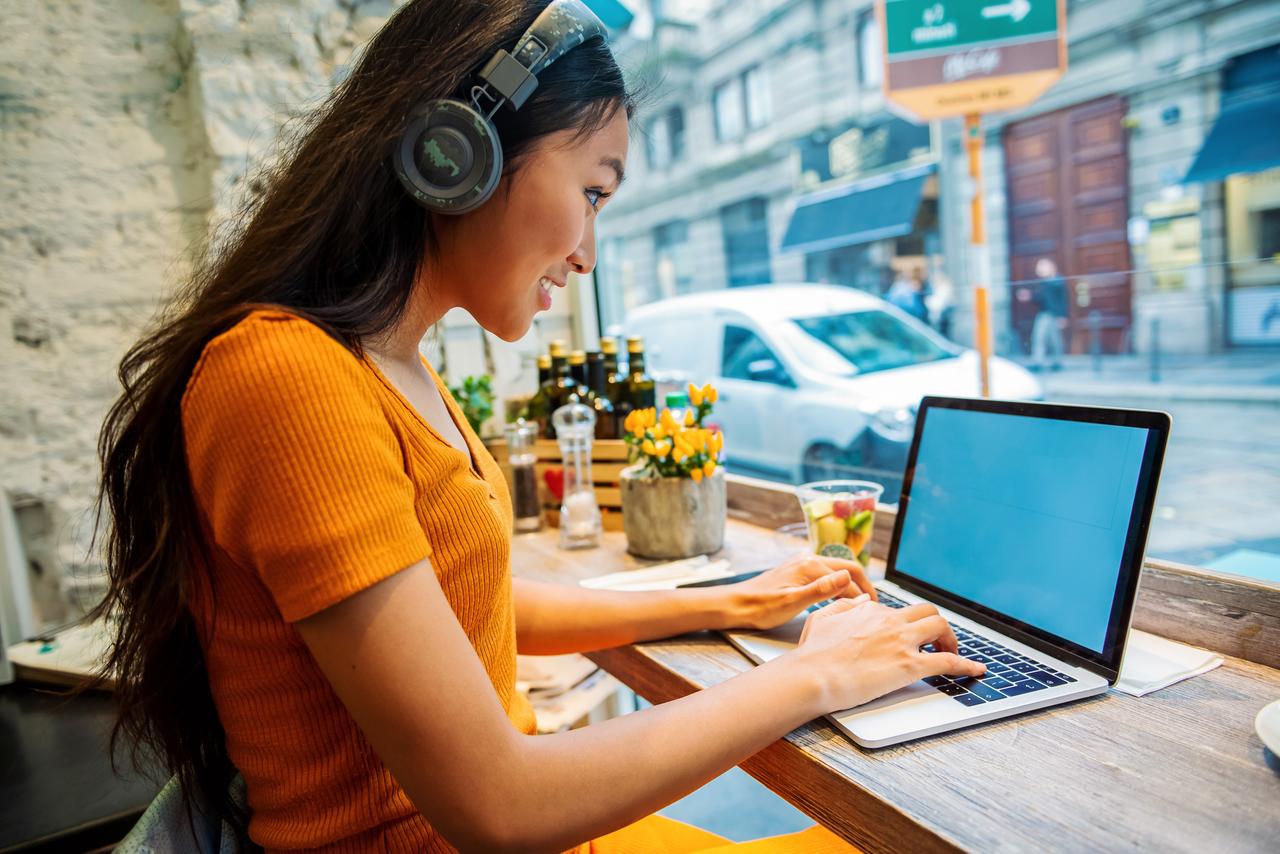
x=615 y=379
x=521 y=436
x=641 y=390
x=580 y=522
x=578 y=371
x=540 y=402
x=562 y=384
x=678 y=403
x=606 y=423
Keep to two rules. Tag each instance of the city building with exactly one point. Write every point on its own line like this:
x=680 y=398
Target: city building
x=767 y=152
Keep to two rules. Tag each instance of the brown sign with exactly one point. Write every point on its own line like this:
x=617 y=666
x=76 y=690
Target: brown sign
x=962 y=57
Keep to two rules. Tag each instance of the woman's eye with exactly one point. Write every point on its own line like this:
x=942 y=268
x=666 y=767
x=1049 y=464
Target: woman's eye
x=595 y=196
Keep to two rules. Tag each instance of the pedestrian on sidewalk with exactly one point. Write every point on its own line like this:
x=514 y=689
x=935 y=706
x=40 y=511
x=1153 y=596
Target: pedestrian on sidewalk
x=907 y=294
x=1050 y=296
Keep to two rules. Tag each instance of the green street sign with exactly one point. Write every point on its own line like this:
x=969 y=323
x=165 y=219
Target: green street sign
x=929 y=25
x=966 y=57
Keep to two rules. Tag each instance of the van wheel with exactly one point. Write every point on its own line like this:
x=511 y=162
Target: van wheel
x=824 y=461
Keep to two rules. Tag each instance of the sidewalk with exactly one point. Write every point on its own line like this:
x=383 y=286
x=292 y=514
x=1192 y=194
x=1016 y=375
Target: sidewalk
x=1242 y=377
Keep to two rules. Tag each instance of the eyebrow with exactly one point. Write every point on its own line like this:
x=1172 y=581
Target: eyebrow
x=616 y=165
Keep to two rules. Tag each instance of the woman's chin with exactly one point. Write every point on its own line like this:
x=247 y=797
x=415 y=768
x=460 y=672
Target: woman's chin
x=512 y=329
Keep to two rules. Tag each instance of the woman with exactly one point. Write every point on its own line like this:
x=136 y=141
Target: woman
x=309 y=547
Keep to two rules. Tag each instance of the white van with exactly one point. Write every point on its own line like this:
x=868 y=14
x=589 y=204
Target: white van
x=815 y=381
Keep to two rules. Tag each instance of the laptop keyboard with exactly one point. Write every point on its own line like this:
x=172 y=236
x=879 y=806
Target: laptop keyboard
x=1009 y=672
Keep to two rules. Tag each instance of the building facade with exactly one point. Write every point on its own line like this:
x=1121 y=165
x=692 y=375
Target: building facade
x=767 y=152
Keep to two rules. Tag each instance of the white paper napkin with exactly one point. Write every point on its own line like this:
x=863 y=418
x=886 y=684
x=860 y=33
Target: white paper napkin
x=664 y=576
x=1151 y=663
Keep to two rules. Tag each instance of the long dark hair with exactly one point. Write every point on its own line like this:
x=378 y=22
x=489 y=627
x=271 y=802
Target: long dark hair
x=333 y=237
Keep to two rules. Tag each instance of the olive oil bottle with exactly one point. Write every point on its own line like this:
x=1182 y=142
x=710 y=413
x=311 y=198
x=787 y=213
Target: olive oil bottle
x=540 y=402
x=615 y=379
x=606 y=420
x=640 y=388
x=562 y=384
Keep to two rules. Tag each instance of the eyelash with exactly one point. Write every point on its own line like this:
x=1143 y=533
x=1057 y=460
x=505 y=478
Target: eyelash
x=600 y=195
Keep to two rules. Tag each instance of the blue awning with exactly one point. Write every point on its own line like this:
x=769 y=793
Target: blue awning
x=1246 y=135
x=860 y=212
x=1245 y=138
x=614 y=15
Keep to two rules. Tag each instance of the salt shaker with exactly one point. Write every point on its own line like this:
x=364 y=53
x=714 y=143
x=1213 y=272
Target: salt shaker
x=524 y=480
x=580 y=524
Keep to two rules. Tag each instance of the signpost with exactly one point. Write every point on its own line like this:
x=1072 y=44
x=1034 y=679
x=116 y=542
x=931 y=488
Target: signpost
x=965 y=58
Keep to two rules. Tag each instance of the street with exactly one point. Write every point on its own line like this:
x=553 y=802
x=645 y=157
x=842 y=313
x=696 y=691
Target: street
x=1221 y=482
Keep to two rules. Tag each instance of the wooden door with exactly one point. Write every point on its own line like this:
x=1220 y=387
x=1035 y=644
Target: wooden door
x=1067 y=176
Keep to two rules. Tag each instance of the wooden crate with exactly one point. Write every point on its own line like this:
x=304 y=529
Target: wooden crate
x=608 y=458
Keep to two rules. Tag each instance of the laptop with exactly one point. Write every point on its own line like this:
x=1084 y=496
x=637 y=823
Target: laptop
x=1025 y=524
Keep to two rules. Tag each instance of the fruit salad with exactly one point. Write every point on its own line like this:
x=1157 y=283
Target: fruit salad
x=840 y=522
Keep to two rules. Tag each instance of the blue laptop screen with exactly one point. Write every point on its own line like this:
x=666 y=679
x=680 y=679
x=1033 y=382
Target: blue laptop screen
x=1026 y=516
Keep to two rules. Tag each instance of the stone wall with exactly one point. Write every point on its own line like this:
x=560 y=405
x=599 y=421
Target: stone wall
x=126 y=130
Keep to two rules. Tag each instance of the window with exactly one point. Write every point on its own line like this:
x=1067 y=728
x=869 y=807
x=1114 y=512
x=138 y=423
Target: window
x=674 y=255
x=675 y=132
x=873 y=341
x=1269 y=233
x=746 y=242
x=727 y=102
x=664 y=139
x=870 y=58
x=1175 y=282
x=759 y=102
x=657 y=144
x=747 y=357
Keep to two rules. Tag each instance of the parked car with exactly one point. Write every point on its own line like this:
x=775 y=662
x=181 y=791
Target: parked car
x=816 y=381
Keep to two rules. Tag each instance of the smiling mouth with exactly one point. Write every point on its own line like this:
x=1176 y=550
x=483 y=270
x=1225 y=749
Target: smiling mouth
x=547 y=284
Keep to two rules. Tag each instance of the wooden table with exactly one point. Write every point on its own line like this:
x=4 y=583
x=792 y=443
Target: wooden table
x=1178 y=770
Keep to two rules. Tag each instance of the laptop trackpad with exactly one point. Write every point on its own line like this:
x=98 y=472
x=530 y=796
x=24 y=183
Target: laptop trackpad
x=916 y=692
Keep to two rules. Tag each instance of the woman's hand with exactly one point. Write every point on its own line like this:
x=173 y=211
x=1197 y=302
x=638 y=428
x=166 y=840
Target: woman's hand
x=777 y=595
x=859 y=650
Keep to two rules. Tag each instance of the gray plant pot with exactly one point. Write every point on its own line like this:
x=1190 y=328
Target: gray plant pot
x=672 y=517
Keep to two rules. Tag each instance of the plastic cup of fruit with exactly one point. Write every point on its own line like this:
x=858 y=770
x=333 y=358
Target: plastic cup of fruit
x=840 y=514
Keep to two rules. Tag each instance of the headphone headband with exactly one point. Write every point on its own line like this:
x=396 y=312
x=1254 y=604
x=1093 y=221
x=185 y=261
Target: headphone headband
x=558 y=29
x=449 y=157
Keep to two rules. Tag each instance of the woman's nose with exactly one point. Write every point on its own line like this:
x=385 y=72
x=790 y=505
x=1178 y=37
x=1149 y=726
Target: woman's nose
x=583 y=259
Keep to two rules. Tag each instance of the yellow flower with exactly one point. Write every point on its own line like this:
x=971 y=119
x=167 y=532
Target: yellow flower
x=630 y=423
x=650 y=417
x=700 y=440
x=678 y=454
x=709 y=393
x=688 y=418
x=683 y=448
x=662 y=448
x=695 y=395
x=648 y=447
x=717 y=442
x=709 y=468
x=696 y=474
x=660 y=432
x=638 y=431
x=668 y=421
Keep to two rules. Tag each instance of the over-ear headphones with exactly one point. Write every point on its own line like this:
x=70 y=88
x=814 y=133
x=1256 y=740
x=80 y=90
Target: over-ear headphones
x=449 y=157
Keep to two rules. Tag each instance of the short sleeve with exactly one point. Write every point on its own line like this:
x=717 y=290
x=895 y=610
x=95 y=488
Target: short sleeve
x=294 y=464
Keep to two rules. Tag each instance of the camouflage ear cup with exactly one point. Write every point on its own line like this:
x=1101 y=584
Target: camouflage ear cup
x=449 y=158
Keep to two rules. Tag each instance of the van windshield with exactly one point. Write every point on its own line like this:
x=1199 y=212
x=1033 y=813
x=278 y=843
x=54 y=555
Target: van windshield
x=874 y=340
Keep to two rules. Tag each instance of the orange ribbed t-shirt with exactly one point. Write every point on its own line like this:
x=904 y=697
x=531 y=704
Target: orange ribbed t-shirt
x=316 y=479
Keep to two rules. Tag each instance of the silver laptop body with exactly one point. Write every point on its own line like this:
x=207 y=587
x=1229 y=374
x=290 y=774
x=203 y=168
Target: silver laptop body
x=1044 y=642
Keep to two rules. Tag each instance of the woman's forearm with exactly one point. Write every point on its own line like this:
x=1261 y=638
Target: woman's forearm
x=559 y=618
x=570 y=787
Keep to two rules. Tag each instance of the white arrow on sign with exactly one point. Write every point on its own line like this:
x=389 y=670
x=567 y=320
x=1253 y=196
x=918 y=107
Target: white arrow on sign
x=1017 y=10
